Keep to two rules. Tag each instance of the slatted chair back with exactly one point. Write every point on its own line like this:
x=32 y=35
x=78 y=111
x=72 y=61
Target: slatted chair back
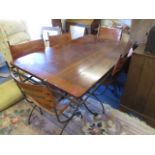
x=109 y=33
x=39 y=94
x=42 y=96
x=62 y=39
x=22 y=49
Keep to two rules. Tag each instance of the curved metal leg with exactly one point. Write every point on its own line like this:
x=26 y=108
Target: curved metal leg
x=68 y=122
x=31 y=114
x=94 y=113
x=103 y=110
x=41 y=112
x=64 y=127
x=68 y=119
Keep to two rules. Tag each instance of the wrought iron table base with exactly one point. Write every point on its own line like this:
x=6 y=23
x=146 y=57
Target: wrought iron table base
x=78 y=102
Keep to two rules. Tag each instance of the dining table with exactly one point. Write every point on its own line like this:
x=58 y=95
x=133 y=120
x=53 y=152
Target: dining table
x=74 y=67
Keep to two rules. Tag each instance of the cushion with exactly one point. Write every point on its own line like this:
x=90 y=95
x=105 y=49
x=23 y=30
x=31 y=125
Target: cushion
x=12 y=27
x=18 y=38
x=9 y=94
x=13 y=31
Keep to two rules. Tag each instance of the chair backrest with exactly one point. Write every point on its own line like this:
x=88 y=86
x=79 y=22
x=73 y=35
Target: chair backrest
x=77 y=31
x=123 y=59
x=62 y=39
x=46 y=31
x=109 y=33
x=119 y=65
x=39 y=94
x=22 y=49
x=56 y=22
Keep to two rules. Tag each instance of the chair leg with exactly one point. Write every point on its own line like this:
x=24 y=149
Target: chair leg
x=41 y=112
x=93 y=113
x=103 y=110
x=64 y=127
x=29 y=122
x=69 y=121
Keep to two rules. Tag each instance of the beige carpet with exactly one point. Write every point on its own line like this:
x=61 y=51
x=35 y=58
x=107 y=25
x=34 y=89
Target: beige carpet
x=13 y=121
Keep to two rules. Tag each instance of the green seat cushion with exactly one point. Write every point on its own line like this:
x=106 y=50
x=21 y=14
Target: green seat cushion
x=9 y=94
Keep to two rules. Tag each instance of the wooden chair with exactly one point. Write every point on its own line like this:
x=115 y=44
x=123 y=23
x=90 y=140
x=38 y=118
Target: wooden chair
x=56 y=23
x=46 y=31
x=43 y=97
x=77 y=31
x=95 y=25
x=22 y=49
x=111 y=77
x=109 y=33
x=90 y=25
x=123 y=59
x=59 y=39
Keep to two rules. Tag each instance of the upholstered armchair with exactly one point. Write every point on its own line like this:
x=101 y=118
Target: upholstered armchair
x=15 y=32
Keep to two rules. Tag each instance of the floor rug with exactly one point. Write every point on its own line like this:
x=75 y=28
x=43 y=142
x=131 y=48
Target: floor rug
x=13 y=121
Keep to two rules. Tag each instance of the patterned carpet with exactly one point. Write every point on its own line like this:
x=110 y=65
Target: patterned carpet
x=13 y=121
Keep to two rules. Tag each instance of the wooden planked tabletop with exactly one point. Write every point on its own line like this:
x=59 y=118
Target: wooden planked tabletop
x=74 y=67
